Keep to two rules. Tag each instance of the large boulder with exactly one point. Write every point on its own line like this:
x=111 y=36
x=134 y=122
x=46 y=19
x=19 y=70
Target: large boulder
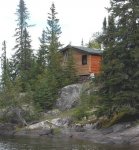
x=69 y=97
x=43 y=128
x=13 y=115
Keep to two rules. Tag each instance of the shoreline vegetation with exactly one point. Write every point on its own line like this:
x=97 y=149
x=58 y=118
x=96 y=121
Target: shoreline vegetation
x=40 y=97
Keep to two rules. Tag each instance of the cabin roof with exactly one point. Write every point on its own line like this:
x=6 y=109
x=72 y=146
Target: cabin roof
x=84 y=49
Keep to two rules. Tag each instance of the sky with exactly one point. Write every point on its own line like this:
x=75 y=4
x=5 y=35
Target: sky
x=78 y=19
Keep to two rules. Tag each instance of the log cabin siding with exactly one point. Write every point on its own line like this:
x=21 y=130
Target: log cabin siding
x=96 y=63
x=93 y=60
x=80 y=68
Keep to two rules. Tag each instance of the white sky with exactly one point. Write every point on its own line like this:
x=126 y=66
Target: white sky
x=78 y=19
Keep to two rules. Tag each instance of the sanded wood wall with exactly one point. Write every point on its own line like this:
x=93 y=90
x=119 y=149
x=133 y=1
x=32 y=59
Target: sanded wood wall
x=93 y=63
x=96 y=63
x=81 y=69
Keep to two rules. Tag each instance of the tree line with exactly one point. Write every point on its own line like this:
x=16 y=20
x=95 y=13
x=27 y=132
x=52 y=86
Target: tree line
x=41 y=75
x=119 y=78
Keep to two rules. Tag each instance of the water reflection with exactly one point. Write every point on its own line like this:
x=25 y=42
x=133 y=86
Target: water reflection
x=24 y=143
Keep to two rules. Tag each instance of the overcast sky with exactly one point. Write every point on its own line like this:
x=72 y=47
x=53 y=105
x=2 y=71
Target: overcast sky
x=78 y=19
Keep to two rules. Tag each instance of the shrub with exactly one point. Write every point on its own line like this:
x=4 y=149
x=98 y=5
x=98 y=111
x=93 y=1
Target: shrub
x=80 y=113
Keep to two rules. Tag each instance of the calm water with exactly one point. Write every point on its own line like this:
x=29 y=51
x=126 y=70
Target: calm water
x=22 y=143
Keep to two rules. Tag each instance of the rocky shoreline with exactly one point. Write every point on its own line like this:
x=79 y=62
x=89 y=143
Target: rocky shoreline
x=62 y=126
x=120 y=134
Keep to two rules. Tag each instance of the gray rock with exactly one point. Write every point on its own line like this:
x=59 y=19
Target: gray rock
x=35 y=132
x=118 y=127
x=7 y=129
x=40 y=125
x=88 y=126
x=78 y=128
x=69 y=97
x=53 y=112
x=65 y=122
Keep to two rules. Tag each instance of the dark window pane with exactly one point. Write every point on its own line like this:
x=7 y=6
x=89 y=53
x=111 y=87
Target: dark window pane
x=84 y=59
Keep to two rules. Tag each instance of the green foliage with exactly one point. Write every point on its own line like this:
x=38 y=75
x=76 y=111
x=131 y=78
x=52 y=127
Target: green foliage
x=23 y=57
x=87 y=102
x=9 y=96
x=4 y=66
x=27 y=79
x=80 y=113
x=94 y=42
x=69 y=71
x=42 y=55
x=45 y=93
x=51 y=74
x=119 y=83
x=125 y=114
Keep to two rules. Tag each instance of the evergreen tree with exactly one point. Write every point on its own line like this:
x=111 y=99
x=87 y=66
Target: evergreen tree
x=4 y=66
x=22 y=58
x=82 y=42
x=95 y=42
x=41 y=55
x=47 y=91
x=120 y=71
x=69 y=73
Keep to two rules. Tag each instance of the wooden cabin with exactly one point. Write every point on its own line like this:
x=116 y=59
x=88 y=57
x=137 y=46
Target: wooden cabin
x=87 y=60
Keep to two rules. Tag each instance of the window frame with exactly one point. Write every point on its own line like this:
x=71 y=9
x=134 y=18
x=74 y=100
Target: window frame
x=84 y=59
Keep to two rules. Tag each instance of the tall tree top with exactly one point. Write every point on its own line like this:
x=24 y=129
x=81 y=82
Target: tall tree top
x=53 y=29
x=22 y=13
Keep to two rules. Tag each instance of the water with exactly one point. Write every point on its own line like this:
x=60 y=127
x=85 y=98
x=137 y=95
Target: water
x=24 y=143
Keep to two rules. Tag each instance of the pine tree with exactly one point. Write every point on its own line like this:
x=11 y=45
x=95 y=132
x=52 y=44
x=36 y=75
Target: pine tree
x=94 y=42
x=41 y=55
x=47 y=91
x=4 y=66
x=120 y=71
x=69 y=76
x=82 y=42
x=22 y=58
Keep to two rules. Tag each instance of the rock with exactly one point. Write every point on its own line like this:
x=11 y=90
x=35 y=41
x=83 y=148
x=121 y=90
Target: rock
x=53 y=112
x=38 y=129
x=118 y=127
x=78 y=128
x=14 y=115
x=65 y=122
x=121 y=127
x=88 y=127
x=7 y=129
x=69 y=97
x=35 y=132
x=43 y=125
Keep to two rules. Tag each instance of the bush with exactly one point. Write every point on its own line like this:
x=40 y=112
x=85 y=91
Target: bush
x=80 y=113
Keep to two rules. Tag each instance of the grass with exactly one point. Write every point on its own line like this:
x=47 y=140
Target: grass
x=62 y=114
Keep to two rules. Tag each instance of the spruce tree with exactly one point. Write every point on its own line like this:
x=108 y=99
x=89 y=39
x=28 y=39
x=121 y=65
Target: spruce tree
x=69 y=70
x=23 y=56
x=41 y=55
x=4 y=67
x=120 y=71
x=94 y=41
x=51 y=82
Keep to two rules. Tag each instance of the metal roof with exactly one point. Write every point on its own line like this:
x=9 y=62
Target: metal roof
x=84 y=49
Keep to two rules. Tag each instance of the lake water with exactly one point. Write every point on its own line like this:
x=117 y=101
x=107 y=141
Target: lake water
x=24 y=143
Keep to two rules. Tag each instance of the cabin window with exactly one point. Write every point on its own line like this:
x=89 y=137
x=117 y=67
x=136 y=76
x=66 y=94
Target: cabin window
x=84 y=59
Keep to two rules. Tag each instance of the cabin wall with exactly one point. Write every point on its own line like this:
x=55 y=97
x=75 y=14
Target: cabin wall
x=95 y=64
x=81 y=69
